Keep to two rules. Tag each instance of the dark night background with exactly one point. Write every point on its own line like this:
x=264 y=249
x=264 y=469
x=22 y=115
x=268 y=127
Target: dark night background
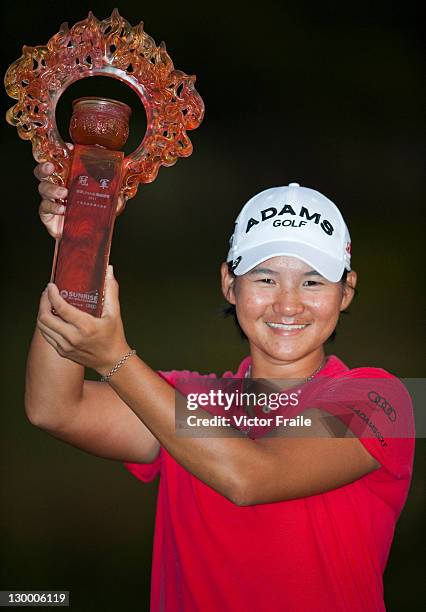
x=327 y=94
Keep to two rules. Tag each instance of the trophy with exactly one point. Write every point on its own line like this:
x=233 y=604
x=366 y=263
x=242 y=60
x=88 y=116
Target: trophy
x=96 y=171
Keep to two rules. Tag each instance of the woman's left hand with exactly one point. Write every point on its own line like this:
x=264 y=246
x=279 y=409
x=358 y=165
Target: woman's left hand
x=96 y=343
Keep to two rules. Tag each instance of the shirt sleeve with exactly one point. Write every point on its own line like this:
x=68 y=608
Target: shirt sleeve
x=146 y=471
x=377 y=408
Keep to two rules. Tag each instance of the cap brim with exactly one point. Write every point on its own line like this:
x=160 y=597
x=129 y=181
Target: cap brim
x=329 y=267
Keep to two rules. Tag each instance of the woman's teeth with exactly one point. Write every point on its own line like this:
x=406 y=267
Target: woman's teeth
x=286 y=327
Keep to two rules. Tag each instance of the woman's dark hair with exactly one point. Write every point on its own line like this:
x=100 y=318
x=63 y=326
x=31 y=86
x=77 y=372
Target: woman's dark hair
x=230 y=311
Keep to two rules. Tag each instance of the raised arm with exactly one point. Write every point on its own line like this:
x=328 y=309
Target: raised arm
x=87 y=414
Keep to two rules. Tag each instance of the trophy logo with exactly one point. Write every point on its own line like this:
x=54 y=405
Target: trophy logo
x=96 y=172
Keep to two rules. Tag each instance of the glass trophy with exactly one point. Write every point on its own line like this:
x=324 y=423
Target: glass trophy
x=97 y=172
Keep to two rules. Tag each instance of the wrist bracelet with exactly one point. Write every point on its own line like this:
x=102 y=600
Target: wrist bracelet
x=118 y=365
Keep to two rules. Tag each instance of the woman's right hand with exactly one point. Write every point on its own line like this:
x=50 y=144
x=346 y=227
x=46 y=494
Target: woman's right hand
x=52 y=206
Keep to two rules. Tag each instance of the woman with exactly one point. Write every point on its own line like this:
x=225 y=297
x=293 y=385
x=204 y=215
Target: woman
x=271 y=517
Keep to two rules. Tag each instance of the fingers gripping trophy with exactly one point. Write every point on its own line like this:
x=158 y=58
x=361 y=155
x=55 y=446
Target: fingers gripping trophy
x=98 y=177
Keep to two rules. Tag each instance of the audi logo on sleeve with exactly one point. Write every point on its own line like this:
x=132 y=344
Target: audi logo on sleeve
x=382 y=403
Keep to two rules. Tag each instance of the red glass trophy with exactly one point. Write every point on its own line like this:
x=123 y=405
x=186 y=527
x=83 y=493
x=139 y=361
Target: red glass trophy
x=96 y=172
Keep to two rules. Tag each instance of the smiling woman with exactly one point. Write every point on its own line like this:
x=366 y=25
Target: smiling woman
x=229 y=309
x=294 y=511
x=284 y=298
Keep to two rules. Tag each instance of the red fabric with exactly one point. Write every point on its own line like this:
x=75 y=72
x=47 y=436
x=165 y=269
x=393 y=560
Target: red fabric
x=324 y=552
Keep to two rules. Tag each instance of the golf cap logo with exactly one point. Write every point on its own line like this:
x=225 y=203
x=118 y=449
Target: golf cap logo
x=287 y=209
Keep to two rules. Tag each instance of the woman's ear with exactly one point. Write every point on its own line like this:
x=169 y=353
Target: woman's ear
x=228 y=283
x=348 y=290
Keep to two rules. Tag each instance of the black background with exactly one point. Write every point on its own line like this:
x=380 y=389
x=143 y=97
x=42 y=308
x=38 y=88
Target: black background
x=327 y=94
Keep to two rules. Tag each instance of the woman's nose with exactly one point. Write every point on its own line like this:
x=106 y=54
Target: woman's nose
x=288 y=302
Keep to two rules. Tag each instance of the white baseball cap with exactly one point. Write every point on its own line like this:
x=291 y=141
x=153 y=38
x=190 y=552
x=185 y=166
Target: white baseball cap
x=294 y=221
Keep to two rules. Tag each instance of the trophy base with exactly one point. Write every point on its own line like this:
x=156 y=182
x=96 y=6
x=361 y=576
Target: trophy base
x=82 y=252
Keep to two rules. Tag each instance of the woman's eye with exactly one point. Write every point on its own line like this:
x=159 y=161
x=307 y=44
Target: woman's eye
x=266 y=281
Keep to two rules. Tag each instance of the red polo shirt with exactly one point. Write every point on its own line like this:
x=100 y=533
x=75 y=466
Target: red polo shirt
x=324 y=552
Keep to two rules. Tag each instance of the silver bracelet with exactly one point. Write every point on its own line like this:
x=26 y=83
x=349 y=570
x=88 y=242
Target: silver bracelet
x=118 y=365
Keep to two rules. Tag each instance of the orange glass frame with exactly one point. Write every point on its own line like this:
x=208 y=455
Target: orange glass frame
x=113 y=48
